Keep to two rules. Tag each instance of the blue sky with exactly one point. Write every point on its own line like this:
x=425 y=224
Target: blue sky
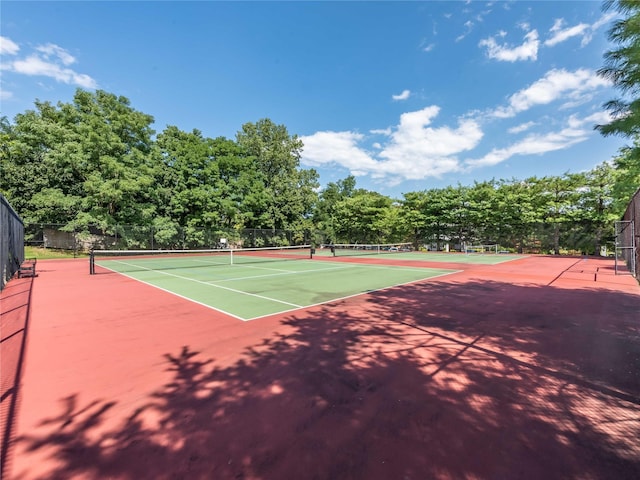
x=407 y=96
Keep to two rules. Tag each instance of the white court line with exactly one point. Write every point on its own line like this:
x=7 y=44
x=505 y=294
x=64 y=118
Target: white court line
x=343 y=267
x=296 y=307
x=243 y=265
x=210 y=284
x=285 y=272
x=178 y=295
x=357 y=294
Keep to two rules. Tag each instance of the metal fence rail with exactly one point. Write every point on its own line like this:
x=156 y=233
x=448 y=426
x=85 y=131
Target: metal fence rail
x=11 y=241
x=567 y=238
x=628 y=236
x=123 y=237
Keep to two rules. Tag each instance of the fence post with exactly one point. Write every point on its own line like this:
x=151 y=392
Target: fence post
x=11 y=241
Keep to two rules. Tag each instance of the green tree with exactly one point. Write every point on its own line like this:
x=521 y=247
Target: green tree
x=438 y=218
x=482 y=216
x=558 y=199
x=595 y=198
x=626 y=177
x=81 y=163
x=622 y=67
x=289 y=191
x=414 y=218
x=364 y=218
x=517 y=211
x=23 y=171
x=325 y=212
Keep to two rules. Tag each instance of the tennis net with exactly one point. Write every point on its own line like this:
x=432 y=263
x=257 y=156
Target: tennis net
x=484 y=249
x=124 y=261
x=353 y=249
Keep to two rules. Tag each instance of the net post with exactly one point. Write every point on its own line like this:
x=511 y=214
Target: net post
x=92 y=263
x=231 y=257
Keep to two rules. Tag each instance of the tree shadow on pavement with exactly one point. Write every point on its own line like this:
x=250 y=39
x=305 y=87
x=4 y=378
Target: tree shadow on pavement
x=438 y=380
x=15 y=301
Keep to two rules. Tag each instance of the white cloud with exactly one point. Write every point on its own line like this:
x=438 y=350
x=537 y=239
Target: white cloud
x=48 y=60
x=50 y=50
x=560 y=34
x=411 y=150
x=8 y=47
x=419 y=151
x=505 y=53
x=37 y=66
x=599 y=118
x=603 y=20
x=340 y=148
x=429 y=47
x=469 y=26
x=555 y=85
x=576 y=131
x=5 y=95
x=521 y=128
x=403 y=96
x=416 y=148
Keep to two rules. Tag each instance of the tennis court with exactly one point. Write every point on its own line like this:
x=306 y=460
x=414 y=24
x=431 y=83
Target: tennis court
x=252 y=283
x=395 y=368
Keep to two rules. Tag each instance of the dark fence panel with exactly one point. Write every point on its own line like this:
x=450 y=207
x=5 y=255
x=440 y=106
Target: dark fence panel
x=631 y=255
x=565 y=238
x=11 y=241
x=122 y=237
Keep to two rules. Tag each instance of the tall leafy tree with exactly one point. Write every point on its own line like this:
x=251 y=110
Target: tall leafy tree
x=517 y=211
x=459 y=214
x=23 y=171
x=594 y=201
x=437 y=214
x=325 y=213
x=413 y=216
x=364 y=218
x=622 y=67
x=111 y=153
x=290 y=192
x=558 y=197
x=80 y=163
x=626 y=177
x=482 y=216
x=191 y=176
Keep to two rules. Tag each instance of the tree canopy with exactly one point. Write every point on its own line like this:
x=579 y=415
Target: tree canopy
x=96 y=162
x=622 y=68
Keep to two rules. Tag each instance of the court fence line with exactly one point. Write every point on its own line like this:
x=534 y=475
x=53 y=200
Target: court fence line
x=569 y=237
x=627 y=232
x=123 y=237
x=11 y=241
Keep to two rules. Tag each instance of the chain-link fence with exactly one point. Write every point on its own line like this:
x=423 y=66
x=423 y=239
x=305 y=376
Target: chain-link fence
x=628 y=236
x=570 y=238
x=11 y=241
x=566 y=238
x=123 y=237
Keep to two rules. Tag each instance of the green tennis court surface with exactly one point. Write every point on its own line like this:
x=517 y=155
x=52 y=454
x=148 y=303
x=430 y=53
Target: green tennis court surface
x=251 y=288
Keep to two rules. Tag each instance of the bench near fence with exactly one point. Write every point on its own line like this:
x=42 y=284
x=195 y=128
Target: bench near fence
x=27 y=268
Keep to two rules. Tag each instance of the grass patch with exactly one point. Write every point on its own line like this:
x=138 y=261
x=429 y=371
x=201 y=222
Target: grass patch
x=49 y=253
